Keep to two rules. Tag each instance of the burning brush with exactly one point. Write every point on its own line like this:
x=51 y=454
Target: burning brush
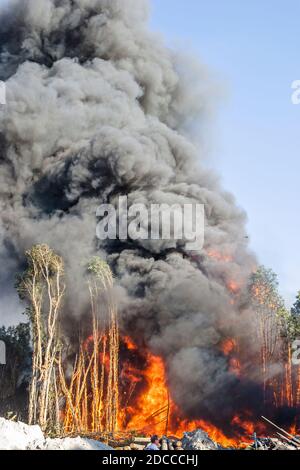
x=109 y=117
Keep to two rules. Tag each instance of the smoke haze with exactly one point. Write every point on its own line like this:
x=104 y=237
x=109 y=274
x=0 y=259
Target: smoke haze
x=98 y=108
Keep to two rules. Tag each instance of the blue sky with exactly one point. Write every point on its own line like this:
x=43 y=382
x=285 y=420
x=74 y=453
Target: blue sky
x=253 y=49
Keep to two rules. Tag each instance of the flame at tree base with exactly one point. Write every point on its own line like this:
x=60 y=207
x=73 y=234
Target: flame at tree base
x=145 y=406
x=153 y=411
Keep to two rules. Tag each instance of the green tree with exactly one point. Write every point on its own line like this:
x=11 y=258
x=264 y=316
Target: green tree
x=271 y=318
x=294 y=320
x=296 y=307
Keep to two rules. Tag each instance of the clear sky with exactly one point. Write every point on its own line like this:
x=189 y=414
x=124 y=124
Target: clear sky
x=253 y=48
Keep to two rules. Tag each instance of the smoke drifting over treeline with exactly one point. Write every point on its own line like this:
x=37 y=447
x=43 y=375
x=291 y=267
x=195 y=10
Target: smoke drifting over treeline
x=97 y=107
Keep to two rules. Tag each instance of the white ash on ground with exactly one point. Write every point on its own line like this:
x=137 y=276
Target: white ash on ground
x=20 y=436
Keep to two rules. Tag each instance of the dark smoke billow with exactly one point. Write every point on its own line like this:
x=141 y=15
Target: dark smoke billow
x=97 y=108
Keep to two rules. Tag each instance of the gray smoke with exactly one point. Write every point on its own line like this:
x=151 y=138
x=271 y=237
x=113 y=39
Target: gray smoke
x=97 y=108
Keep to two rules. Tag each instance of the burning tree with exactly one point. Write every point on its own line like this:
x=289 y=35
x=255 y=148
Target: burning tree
x=276 y=328
x=267 y=305
x=101 y=280
x=42 y=285
x=294 y=333
x=91 y=394
x=92 y=397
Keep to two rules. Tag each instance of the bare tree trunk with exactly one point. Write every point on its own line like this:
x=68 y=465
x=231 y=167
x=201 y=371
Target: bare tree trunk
x=97 y=399
x=42 y=285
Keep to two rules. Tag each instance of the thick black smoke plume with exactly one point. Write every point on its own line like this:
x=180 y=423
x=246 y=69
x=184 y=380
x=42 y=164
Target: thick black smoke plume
x=97 y=107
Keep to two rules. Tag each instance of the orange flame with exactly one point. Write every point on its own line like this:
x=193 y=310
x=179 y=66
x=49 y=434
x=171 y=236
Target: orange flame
x=233 y=287
x=146 y=406
x=219 y=256
x=155 y=412
x=229 y=347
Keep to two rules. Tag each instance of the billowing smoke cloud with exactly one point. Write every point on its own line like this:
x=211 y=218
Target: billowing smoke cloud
x=97 y=108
